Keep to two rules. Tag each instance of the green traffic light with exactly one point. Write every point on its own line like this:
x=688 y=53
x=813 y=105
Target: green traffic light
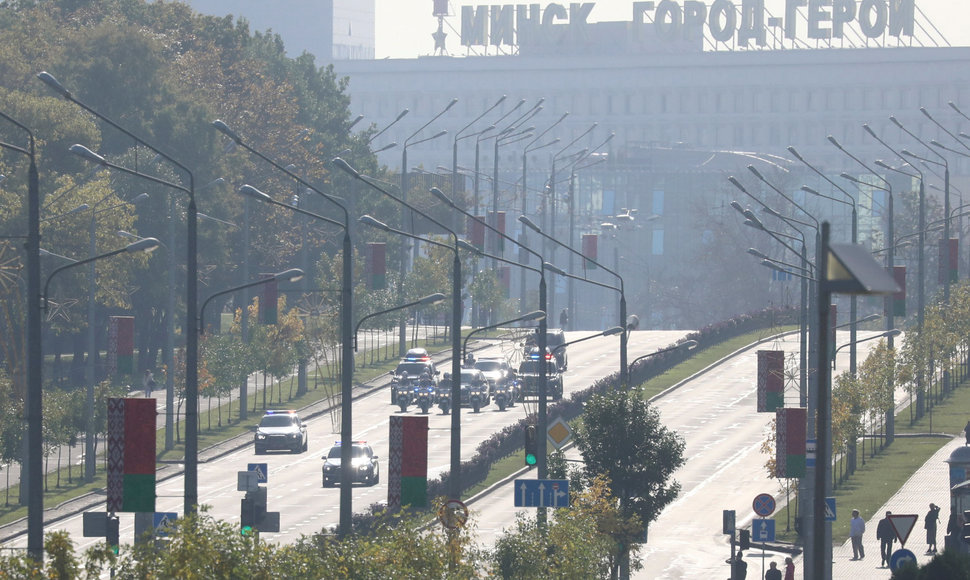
x=530 y=459
x=246 y=530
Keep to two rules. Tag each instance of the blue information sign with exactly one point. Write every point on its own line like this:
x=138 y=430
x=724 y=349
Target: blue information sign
x=161 y=521
x=900 y=557
x=262 y=473
x=763 y=531
x=541 y=493
x=830 y=513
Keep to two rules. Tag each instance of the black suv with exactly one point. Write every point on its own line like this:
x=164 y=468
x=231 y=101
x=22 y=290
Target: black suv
x=364 y=466
x=280 y=430
x=529 y=370
x=416 y=362
x=555 y=341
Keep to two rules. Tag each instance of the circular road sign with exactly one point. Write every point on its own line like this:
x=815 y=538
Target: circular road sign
x=453 y=514
x=900 y=557
x=764 y=504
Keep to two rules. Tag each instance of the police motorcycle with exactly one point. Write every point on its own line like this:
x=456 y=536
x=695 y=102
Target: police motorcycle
x=404 y=391
x=504 y=393
x=443 y=399
x=425 y=392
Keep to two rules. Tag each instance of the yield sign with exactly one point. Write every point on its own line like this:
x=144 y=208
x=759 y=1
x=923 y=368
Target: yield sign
x=903 y=525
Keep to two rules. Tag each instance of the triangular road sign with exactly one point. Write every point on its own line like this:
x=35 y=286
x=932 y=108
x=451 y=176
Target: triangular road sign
x=903 y=524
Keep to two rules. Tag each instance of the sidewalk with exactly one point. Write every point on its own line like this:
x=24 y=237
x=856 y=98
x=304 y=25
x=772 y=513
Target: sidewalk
x=929 y=484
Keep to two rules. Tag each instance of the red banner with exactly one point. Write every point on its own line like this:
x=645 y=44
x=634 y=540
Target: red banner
x=376 y=265
x=771 y=380
x=790 y=442
x=589 y=250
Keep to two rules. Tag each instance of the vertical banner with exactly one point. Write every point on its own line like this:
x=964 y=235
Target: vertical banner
x=589 y=250
x=476 y=232
x=407 y=463
x=131 y=455
x=954 y=259
x=790 y=430
x=376 y=265
x=269 y=302
x=500 y=226
x=771 y=380
x=505 y=279
x=899 y=298
x=121 y=345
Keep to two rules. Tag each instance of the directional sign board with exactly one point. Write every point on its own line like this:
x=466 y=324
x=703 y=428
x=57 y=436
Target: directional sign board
x=262 y=473
x=903 y=525
x=830 y=509
x=764 y=504
x=162 y=520
x=900 y=557
x=763 y=530
x=541 y=493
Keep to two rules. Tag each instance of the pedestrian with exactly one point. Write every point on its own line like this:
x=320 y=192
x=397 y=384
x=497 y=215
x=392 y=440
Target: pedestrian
x=857 y=527
x=739 y=568
x=886 y=534
x=929 y=522
x=789 y=568
x=564 y=318
x=773 y=572
x=148 y=382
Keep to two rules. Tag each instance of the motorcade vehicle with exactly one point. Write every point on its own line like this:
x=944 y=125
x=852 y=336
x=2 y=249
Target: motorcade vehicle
x=555 y=342
x=501 y=380
x=529 y=374
x=416 y=362
x=280 y=430
x=364 y=465
x=474 y=389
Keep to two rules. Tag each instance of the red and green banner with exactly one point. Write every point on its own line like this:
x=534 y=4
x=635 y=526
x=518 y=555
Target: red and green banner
x=121 y=345
x=131 y=455
x=899 y=298
x=771 y=380
x=376 y=265
x=407 y=482
x=476 y=232
x=790 y=442
x=949 y=254
x=269 y=303
x=589 y=250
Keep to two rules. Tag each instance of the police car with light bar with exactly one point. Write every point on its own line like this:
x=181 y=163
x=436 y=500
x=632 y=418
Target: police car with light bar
x=281 y=430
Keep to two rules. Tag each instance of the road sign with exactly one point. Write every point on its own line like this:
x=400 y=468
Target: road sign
x=830 y=513
x=763 y=530
x=764 y=504
x=262 y=473
x=559 y=433
x=453 y=514
x=903 y=525
x=541 y=493
x=162 y=520
x=246 y=481
x=810 y=445
x=900 y=557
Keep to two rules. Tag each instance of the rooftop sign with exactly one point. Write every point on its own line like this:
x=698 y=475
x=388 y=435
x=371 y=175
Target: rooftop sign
x=744 y=22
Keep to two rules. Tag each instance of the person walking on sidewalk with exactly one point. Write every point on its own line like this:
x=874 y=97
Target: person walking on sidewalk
x=148 y=382
x=773 y=572
x=929 y=522
x=789 y=568
x=857 y=527
x=886 y=535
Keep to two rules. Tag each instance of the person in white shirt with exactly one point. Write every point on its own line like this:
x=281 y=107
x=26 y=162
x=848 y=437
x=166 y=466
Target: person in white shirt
x=857 y=527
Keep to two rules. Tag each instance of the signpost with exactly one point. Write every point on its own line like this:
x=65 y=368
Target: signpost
x=830 y=513
x=262 y=471
x=559 y=433
x=764 y=504
x=541 y=493
x=903 y=524
x=161 y=521
x=900 y=557
x=763 y=530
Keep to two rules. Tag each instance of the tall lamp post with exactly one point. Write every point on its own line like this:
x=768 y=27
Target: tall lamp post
x=890 y=263
x=427 y=300
x=688 y=344
x=34 y=382
x=191 y=493
x=455 y=477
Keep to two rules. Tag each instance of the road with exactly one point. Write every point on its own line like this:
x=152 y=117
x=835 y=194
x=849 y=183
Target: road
x=294 y=481
x=716 y=414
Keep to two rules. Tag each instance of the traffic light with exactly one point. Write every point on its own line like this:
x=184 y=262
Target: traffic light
x=531 y=446
x=247 y=513
x=259 y=505
x=966 y=526
x=112 y=534
x=744 y=539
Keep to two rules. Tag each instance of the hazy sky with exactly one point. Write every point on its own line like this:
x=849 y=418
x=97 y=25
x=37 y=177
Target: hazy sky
x=404 y=27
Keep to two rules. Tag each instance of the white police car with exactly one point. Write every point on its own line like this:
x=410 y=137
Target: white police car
x=281 y=430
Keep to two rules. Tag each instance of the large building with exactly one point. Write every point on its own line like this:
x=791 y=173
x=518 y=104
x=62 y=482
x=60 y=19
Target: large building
x=692 y=94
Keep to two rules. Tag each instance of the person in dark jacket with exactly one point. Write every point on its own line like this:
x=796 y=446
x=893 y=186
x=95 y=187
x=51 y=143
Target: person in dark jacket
x=886 y=536
x=929 y=522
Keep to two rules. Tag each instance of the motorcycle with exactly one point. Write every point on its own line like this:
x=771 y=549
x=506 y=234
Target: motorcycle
x=478 y=396
x=425 y=395
x=404 y=393
x=444 y=395
x=504 y=396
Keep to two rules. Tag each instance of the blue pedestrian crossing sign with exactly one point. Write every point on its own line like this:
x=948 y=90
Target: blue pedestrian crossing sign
x=541 y=493
x=763 y=531
x=830 y=509
x=900 y=557
x=262 y=473
x=162 y=520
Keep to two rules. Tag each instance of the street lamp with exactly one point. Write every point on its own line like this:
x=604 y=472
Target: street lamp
x=534 y=315
x=455 y=487
x=142 y=245
x=34 y=387
x=291 y=275
x=191 y=493
x=427 y=300
x=688 y=344
x=885 y=334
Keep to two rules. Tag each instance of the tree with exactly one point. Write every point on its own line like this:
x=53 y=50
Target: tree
x=623 y=439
